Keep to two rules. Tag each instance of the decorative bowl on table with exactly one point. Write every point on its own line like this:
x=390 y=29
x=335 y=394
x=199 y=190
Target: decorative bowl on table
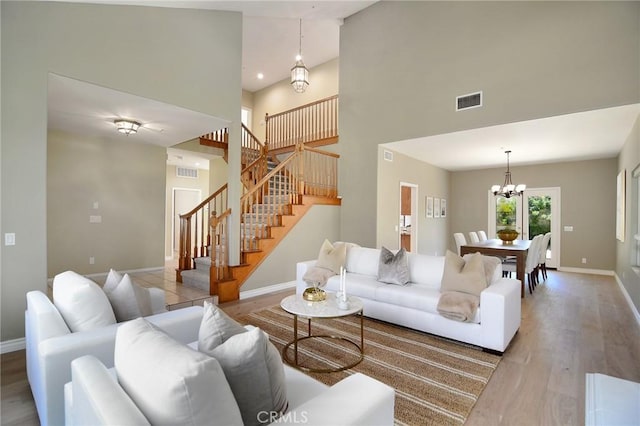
x=314 y=294
x=507 y=235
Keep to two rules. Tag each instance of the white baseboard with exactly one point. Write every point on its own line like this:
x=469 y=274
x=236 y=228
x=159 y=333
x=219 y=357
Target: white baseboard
x=634 y=310
x=104 y=274
x=19 y=344
x=586 y=271
x=12 y=345
x=266 y=290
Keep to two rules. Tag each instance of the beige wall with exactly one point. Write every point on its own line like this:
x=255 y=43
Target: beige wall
x=175 y=182
x=588 y=204
x=628 y=160
x=279 y=97
x=403 y=63
x=82 y=41
x=82 y=171
x=301 y=243
x=431 y=233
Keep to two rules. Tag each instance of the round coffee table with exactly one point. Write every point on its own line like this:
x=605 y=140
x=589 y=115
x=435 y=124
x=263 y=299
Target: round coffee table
x=328 y=308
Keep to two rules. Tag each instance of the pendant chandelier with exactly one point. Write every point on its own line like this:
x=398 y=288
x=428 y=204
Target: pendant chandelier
x=508 y=189
x=299 y=73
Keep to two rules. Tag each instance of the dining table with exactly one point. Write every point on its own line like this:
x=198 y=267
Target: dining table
x=496 y=247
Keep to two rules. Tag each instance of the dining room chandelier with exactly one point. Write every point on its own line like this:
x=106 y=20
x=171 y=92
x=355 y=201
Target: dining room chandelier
x=508 y=189
x=299 y=72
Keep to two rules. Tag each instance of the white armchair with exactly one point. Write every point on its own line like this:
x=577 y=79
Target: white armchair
x=51 y=346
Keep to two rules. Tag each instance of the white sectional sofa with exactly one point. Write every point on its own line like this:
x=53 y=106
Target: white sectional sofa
x=231 y=375
x=51 y=346
x=95 y=398
x=415 y=305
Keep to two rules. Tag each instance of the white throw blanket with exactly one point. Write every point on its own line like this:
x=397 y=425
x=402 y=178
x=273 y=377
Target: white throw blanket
x=317 y=277
x=458 y=306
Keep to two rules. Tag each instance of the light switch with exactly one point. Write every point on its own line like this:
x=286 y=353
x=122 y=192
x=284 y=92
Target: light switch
x=95 y=219
x=10 y=239
x=96 y=205
x=568 y=229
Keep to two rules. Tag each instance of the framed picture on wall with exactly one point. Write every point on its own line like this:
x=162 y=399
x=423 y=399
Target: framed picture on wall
x=436 y=207
x=428 y=207
x=620 y=205
x=443 y=207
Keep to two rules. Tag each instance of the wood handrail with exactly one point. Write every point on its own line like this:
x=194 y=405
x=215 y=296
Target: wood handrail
x=205 y=202
x=307 y=171
x=195 y=232
x=315 y=122
x=289 y=111
x=217 y=219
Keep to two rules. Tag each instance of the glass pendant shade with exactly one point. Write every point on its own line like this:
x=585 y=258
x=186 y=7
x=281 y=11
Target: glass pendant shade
x=299 y=77
x=299 y=72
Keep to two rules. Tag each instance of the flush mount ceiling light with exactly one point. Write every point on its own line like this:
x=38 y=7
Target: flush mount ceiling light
x=126 y=126
x=299 y=73
x=508 y=189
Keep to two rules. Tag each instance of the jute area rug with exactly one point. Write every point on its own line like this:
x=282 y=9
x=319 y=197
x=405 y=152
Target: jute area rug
x=437 y=381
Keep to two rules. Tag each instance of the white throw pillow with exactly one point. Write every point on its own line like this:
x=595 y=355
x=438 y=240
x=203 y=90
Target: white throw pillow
x=169 y=382
x=123 y=300
x=81 y=302
x=363 y=260
x=215 y=328
x=121 y=303
x=113 y=279
x=466 y=277
x=490 y=264
x=253 y=368
x=331 y=256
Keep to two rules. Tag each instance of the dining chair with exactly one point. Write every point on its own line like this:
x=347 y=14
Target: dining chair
x=482 y=235
x=460 y=240
x=531 y=265
x=473 y=237
x=542 y=261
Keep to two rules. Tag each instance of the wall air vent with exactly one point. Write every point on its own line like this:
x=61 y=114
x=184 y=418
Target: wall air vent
x=472 y=100
x=388 y=155
x=187 y=172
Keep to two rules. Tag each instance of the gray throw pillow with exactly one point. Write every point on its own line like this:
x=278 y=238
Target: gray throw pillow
x=254 y=370
x=216 y=327
x=393 y=268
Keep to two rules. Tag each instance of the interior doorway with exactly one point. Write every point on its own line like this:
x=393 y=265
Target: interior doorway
x=407 y=231
x=184 y=200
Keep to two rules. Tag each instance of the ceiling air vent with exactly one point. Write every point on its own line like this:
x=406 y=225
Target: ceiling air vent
x=187 y=172
x=388 y=155
x=472 y=100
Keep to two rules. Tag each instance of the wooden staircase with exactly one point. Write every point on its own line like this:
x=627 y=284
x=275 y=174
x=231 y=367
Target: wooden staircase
x=276 y=196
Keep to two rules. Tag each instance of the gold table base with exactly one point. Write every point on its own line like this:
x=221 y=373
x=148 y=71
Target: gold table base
x=294 y=342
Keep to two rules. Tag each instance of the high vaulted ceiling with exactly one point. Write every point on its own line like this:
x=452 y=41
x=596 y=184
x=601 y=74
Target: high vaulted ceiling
x=270 y=42
x=270 y=32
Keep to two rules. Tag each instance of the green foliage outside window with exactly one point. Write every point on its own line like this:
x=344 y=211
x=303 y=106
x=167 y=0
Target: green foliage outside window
x=539 y=215
x=505 y=213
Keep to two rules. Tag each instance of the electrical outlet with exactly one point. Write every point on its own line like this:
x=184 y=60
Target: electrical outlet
x=584 y=260
x=92 y=260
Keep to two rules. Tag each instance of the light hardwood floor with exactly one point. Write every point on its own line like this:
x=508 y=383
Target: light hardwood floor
x=573 y=324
